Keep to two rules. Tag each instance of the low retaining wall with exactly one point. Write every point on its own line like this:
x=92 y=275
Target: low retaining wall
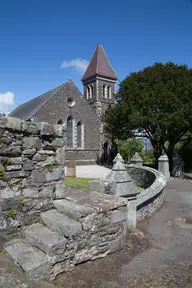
x=152 y=197
x=84 y=226
x=32 y=159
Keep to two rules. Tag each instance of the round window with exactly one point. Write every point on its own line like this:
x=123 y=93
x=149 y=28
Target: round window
x=70 y=102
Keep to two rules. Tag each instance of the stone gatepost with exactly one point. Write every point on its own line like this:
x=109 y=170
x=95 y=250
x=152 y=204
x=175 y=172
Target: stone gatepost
x=163 y=165
x=125 y=187
x=136 y=160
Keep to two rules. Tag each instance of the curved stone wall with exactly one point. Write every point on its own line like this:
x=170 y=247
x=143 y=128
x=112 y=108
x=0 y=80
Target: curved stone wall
x=152 y=192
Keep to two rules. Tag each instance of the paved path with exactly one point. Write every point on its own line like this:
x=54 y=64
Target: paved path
x=166 y=263
x=92 y=171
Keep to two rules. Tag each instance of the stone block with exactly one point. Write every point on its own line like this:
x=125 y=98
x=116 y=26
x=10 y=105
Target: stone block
x=60 y=156
x=117 y=244
x=10 y=151
x=29 y=152
x=71 y=209
x=47 y=191
x=30 y=192
x=13 y=123
x=96 y=185
x=47 y=129
x=59 y=142
x=16 y=161
x=31 y=142
x=28 y=165
x=49 y=161
x=38 y=177
x=63 y=266
x=3 y=221
x=14 y=167
x=30 y=127
x=6 y=193
x=55 y=175
x=17 y=174
x=60 y=190
x=118 y=216
x=60 y=223
x=45 y=239
x=34 y=262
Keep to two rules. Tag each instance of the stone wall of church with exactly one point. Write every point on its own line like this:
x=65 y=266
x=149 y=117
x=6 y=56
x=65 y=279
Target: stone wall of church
x=32 y=158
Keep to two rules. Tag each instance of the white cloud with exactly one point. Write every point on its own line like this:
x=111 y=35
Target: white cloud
x=79 y=64
x=6 y=100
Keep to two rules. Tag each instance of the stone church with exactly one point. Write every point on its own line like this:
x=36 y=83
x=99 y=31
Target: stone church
x=80 y=113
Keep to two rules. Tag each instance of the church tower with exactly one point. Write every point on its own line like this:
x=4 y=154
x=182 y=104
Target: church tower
x=99 y=82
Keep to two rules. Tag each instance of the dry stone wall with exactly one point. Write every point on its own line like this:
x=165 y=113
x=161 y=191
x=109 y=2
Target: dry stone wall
x=32 y=157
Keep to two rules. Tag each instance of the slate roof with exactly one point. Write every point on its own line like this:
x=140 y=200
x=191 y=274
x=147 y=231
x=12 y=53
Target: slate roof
x=99 y=65
x=28 y=109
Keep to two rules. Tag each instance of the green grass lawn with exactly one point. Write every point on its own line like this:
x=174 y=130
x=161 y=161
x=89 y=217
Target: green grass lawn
x=76 y=182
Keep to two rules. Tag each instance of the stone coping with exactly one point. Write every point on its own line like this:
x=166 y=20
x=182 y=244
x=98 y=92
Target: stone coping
x=99 y=202
x=154 y=189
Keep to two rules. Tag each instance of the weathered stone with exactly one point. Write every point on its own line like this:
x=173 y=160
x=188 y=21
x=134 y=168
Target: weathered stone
x=96 y=185
x=163 y=165
x=60 y=223
x=3 y=184
x=47 y=191
x=59 y=142
x=60 y=156
x=59 y=131
x=136 y=160
x=11 y=204
x=46 y=152
x=71 y=209
x=49 y=161
x=29 y=152
x=10 y=151
x=64 y=266
x=16 y=161
x=17 y=174
x=55 y=175
x=28 y=165
x=31 y=142
x=6 y=193
x=30 y=127
x=13 y=167
x=13 y=123
x=47 y=129
x=60 y=190
x=38 y=177
x=3 y=221
x=118 y=216
x=85 y=254
x=45 y=239
x=34 y=262
x=117 y=244
x=30 y=192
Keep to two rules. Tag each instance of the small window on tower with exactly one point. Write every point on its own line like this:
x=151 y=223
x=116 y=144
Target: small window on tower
x=104 y=91
x=109 y=92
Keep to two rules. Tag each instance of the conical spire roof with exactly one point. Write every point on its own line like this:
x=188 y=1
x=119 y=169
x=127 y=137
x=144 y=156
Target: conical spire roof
x=99 y=65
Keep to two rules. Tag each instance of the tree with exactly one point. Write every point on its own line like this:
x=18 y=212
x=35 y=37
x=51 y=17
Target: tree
x=156 y=103
x=128 y=148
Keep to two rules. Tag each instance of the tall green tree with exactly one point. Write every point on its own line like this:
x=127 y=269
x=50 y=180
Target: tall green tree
x=156 y=103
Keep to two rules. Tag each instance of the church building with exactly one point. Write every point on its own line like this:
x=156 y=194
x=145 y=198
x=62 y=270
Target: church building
x=80 y=113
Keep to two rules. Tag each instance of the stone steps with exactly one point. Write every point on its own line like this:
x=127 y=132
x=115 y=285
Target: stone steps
x=46 y=240
x=34 y=262
x=60 y=223
x=71 y=209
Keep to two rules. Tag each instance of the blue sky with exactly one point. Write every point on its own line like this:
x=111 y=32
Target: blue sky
x=36 y=37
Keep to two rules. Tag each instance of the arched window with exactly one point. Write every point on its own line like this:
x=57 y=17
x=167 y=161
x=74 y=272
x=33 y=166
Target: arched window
x=79 y=135
x=88 y=92
x=92 y=91
x=69 y=132
x=109 y=92
x=104 y=90
x=60 y=122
